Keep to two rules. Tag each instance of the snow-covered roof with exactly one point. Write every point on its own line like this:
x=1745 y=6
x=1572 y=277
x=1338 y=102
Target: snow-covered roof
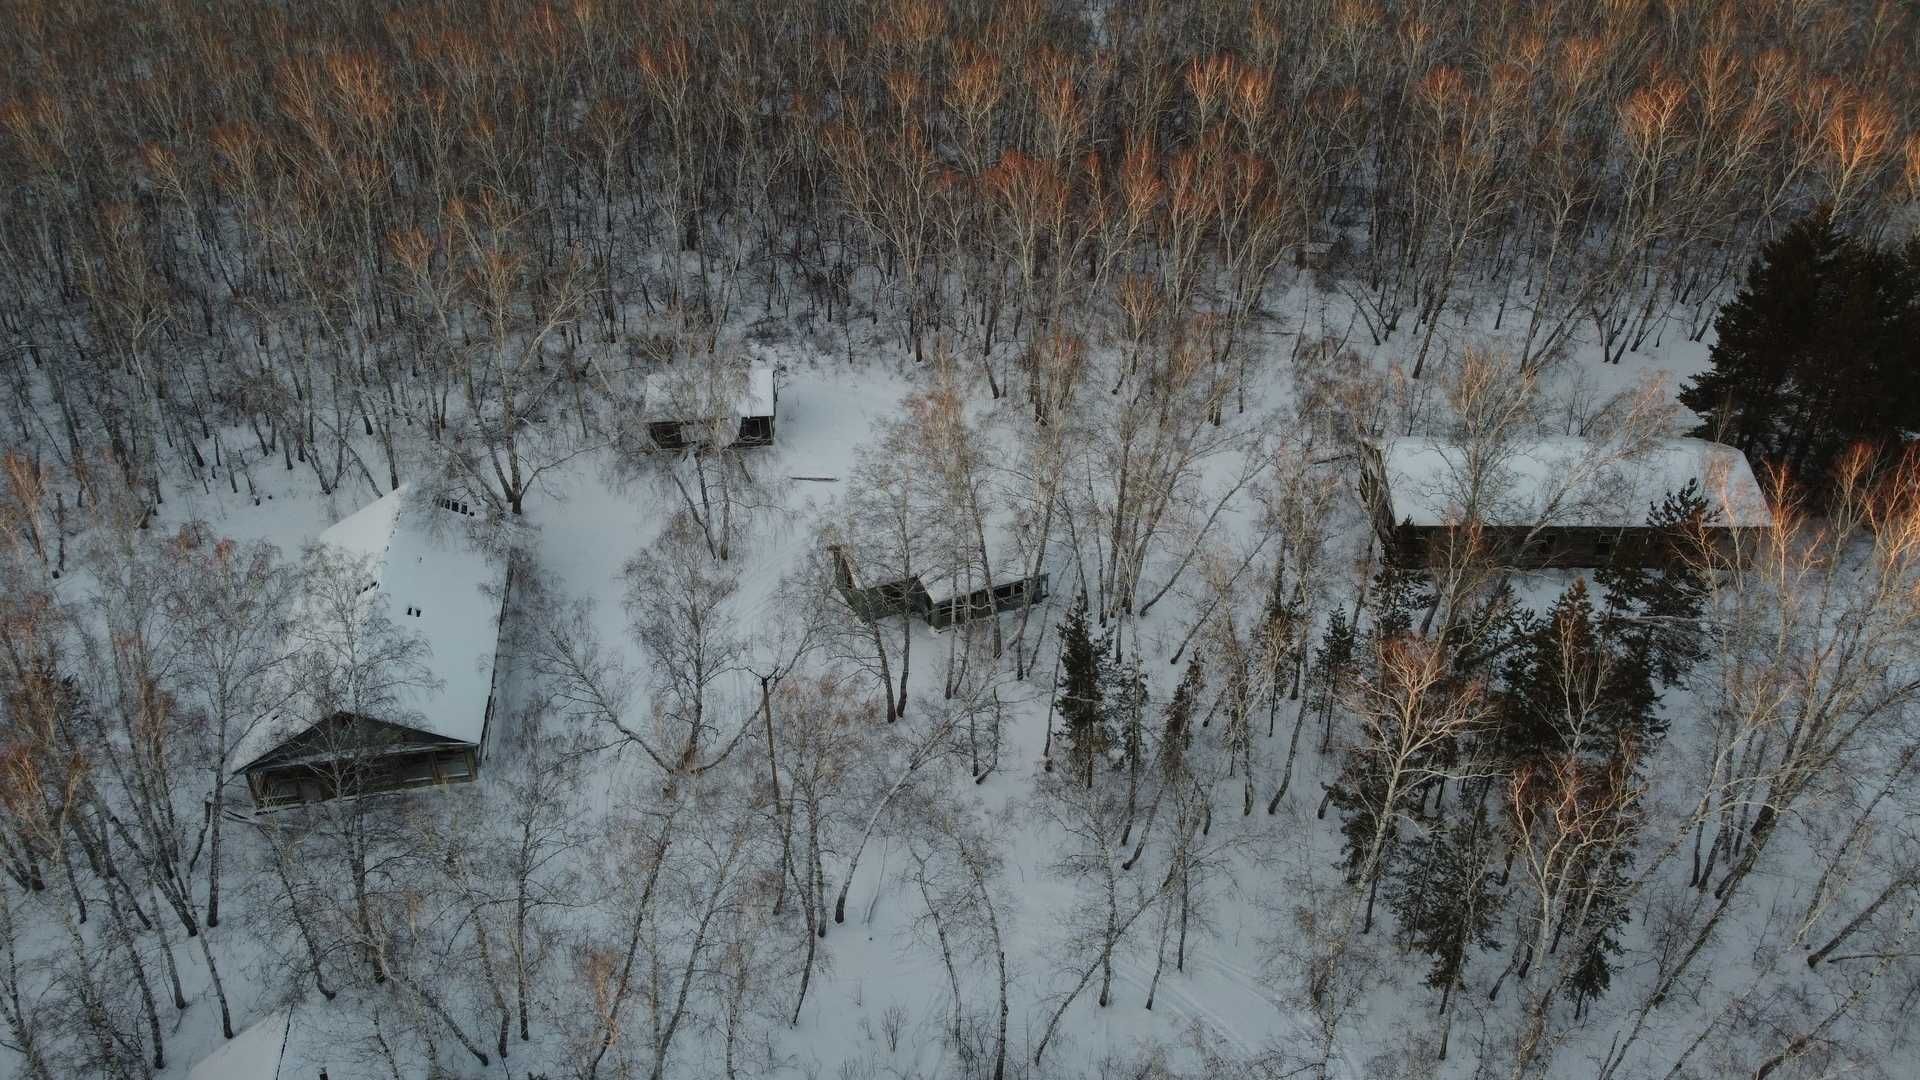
x=435 y=584
x=1569 y=481
x=950 y=565
x=754 y=399
x=253 y=1054
x=295 y=1043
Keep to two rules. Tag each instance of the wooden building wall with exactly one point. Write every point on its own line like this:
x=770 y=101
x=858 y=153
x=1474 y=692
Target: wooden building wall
x=1554 y=547
x=671 y=434
x=981 y=603
x=909 y=597
x=1548 y=548
x=1521 y=546
x=316 y=781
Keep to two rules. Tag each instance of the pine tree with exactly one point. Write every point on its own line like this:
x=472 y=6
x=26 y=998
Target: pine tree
x=1123 y=692
x=1176 y=730
x=1489 y=632
x=1080 y=701
x=1360 y=795
x=1123 y=698
x=1398 y=593
x=1170 y=755
x=1819 y=350
x=1571 y=689
x=1657 y=609
x=1280 y=642
x=1332 y=663
x=1600 y=929
x=1284 y=647
x=1448 y=899
x=1594 y=896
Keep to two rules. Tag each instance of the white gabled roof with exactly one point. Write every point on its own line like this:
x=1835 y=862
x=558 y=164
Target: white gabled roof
x=422 y=561
x=253 y=1054
x=755 y=397
x=297 y=1042
x=1570 y=481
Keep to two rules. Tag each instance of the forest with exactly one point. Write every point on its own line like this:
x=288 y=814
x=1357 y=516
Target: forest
x=1042 y=691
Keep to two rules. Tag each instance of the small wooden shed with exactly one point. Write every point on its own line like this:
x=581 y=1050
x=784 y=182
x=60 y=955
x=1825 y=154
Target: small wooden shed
x=748 y=415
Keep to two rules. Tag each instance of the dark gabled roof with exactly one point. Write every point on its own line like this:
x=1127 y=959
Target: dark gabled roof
x=342 y=735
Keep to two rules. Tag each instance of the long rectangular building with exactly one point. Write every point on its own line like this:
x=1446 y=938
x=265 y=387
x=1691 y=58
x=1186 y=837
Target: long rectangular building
x=1549 y=502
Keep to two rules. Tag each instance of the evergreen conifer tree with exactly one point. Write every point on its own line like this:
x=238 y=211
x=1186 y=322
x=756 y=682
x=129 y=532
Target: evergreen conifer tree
x=1600 y=930
x=1080 y=701
x=1176 y=732
x=1123 y=692
x=1398 y=594
x=1820 y=349
x=1332 y=663
x=1448 y=899
x=1123 y=698
x=1573 y=689
x=1657 y=609
x=1281 y=642
x=1360 y=794
x=1490 y=630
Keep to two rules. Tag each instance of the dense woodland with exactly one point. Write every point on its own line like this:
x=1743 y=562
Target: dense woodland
x=1646 y=823
x=317 y=219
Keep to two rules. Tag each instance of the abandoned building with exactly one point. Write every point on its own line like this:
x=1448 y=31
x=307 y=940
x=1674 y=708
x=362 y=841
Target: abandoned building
x=1317 y=250
x=423 y=571
x=909 y=596
x=1551 y=502
x=742 y=404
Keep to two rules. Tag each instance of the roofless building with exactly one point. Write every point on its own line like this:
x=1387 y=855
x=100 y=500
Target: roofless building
x=909 y=596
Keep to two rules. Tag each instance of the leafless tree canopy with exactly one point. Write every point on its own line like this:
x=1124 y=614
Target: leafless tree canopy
x=1141 y=283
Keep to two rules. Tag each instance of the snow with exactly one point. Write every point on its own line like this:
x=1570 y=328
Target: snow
x=1009 y=548
x=254 y=1053
x=436 y=584
x=1571 y=481
x=757 y=400
x=756 y=397
x=1232 y=996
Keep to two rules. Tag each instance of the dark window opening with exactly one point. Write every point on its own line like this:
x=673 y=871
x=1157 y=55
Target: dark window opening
x=756 y=430
x=281 y=790
x=666 y=435
x=1544 y=545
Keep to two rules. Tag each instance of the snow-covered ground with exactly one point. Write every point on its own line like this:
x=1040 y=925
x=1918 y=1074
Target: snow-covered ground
x=879 y=1002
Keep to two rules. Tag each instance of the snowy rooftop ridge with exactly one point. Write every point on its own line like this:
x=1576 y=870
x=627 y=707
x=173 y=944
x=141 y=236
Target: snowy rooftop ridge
x=1570 y=481
x=253 y=1054
x=435 y=584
